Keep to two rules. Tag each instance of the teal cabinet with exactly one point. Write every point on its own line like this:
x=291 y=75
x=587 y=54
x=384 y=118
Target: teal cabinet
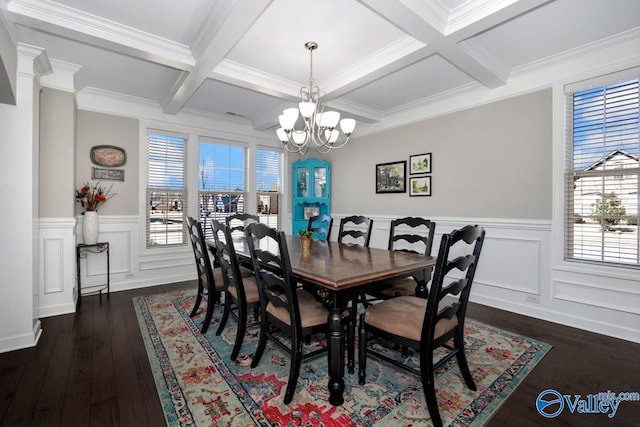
x=311 y=191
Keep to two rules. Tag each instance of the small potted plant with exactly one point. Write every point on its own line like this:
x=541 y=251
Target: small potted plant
x=305 y=238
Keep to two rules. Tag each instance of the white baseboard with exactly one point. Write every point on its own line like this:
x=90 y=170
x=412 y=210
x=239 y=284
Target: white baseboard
x=17 y=342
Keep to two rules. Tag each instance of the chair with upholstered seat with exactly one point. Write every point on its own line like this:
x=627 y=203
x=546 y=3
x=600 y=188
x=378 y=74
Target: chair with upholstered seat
x=413 y=235
x=351 y=230
x=210 y=282
x=321 y=226
x=240 y=291
x=426 y=324
x=238 y=221
x=355 y=229
x=285 y=309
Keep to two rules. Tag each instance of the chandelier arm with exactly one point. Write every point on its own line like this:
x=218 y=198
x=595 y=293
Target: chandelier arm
x=315 y=131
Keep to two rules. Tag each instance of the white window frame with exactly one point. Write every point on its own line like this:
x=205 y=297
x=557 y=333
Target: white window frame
x=246 y=194
x=145 y=188
x=280 y=193
x=601 y=77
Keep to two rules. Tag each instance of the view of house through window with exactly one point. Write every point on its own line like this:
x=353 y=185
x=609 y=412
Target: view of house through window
x=602 y=174
x=269 y=186
x=222 y=181
x=166 y=190
x=223 y=188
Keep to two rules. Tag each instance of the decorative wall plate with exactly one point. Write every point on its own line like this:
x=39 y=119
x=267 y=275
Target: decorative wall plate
x=108 y=155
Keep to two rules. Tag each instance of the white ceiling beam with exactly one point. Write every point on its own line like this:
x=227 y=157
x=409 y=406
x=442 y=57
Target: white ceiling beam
x=63 y=21
x=412 y=18
x=227 y=22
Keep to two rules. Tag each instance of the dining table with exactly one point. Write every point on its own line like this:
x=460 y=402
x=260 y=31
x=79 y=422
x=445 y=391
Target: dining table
x=343 y=271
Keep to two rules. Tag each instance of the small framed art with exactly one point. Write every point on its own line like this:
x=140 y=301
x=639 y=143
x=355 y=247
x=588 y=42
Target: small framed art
x=108 y=174
x=310 y=211
x=108 y=156
x=420 y=186
x=390 y=177
x=420 y=163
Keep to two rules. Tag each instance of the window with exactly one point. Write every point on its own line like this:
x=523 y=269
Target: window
x=269 y=186
x=166 y=190
x=222 y=181
x=602 y=173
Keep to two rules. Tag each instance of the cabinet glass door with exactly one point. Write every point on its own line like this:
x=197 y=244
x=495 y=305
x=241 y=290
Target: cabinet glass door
x=320 y=182
x=303 y=182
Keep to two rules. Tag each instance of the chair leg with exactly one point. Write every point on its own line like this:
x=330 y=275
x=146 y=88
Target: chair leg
x=225 y=314
x=262 y=341
x=462 y=362
x=208 y=316
x=362 y=351
x=294 y=370
x=194 y=311
x=430 y=394
x=242 y=328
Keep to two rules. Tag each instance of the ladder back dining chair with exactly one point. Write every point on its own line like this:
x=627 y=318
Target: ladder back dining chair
x=413 y=235
x=240 y=292
x=321 y=226
x=210 y=282
x=285 y=308
x=426 y=324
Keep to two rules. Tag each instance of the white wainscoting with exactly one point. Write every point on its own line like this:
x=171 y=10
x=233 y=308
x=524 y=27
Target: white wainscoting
x=129 y=270
x=515 y=274
x=57 y=266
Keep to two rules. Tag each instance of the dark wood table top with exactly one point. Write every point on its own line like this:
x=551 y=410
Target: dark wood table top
x=337 y=266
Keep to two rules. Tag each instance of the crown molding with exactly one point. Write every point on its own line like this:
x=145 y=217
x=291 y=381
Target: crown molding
x=63 y=76
x=106 y=102
x=73 y=20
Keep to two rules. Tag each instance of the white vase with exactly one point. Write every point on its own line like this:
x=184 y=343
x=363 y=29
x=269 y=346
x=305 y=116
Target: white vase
x=90 y=227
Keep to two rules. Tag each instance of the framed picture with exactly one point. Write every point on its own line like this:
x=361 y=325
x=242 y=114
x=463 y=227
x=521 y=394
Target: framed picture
x=420 y=163
x=420 y=186
x=310 y=211
x=108 y=156
x=108 y=174
x=390 y=177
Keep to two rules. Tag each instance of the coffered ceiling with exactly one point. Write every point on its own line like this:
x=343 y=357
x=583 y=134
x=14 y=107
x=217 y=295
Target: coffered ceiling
x=246 y=58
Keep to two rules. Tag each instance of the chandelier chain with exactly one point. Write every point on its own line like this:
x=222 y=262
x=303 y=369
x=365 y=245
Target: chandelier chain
x=320 y=127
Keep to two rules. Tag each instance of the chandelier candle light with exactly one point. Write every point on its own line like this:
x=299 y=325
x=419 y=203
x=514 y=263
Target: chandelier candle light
x=320 y=127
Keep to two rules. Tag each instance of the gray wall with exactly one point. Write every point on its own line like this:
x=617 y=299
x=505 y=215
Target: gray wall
x=491 y=161
x=57 y=153
x=104 y=129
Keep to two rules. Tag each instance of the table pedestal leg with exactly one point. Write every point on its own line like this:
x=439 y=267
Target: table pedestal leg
x=422 y=278
x=335 y=342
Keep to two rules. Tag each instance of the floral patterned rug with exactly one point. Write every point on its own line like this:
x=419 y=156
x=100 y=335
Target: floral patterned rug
x=199 y=385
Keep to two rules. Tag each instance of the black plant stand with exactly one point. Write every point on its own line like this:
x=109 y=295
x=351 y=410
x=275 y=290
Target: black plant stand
x=81 y=252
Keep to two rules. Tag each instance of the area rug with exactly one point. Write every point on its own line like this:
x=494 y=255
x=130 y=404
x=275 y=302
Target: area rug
x=199 y=385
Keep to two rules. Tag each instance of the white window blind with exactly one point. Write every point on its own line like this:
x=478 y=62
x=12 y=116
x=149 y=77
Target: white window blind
x=166 y=190
x=602 y=174
x=222 y=181
x=269 y=186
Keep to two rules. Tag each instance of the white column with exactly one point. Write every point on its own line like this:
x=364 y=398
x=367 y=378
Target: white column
x=19 y=323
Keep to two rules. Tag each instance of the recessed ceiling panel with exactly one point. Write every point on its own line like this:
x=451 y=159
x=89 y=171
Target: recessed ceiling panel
x=222 y=98
x=420 y=80
x=559 y=26
x=178 y=21
x=111 y=71
x=345 y=31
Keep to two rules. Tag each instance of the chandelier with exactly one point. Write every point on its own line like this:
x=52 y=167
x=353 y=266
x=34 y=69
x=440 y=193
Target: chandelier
x=320 y=127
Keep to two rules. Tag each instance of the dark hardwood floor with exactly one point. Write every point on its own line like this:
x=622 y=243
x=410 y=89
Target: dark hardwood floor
x=91 y=369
